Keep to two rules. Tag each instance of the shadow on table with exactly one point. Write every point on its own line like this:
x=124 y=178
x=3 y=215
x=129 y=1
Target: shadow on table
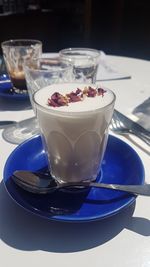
x=14 y=105
x=20 y=131
x=24 y=231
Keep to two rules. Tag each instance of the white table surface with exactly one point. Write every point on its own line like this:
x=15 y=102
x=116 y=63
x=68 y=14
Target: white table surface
x=122 y=240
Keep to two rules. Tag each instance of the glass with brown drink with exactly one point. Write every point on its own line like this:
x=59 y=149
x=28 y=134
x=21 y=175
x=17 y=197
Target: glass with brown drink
x=15 y=52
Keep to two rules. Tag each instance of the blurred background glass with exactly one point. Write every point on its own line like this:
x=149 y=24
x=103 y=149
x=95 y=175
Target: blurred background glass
x=45 y=71
x=85 y=63
x=15 y=52
x=38 y=73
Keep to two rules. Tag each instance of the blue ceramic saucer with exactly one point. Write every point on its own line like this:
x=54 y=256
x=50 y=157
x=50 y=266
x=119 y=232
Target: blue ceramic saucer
x=5 y=89
x=121 y=165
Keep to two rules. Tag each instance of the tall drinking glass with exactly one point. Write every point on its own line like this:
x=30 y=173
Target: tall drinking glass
x=75 y=130
x=15 y=53
x=85 y=63
x=45 y=71
x=38 y=74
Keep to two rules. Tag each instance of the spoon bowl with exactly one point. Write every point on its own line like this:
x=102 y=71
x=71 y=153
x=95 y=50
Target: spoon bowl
x=39 y=183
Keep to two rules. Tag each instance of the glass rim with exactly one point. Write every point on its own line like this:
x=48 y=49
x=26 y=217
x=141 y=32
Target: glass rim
x=77 y=49
x=73 y=113
x=13 y=41
x=39 y=70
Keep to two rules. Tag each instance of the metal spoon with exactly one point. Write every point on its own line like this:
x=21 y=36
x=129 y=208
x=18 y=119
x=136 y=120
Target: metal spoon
x=41 y=183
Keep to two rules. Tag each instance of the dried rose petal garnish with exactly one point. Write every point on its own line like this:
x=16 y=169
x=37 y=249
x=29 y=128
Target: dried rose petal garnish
x=91 y=92
x=101 y=91
x=73 y=97
x=58 y=100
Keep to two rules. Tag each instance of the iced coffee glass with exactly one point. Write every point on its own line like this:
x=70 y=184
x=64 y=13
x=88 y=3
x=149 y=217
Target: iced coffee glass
x=74 y=134
x=85 y=63
x=15 y=52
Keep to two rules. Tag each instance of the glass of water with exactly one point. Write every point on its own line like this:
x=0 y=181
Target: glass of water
x=43 y=72
x=39 y=73
x=84 y=61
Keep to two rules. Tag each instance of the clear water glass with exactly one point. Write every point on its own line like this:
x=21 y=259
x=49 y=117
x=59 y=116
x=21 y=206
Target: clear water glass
x=39 y=73
x=45 y=71
x=85 y=63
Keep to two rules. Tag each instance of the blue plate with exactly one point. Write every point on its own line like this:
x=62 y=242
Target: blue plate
x=5 y=89
x=121 y=165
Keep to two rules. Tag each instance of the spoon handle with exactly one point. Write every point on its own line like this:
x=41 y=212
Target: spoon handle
x=134 y=189
x=143 y=190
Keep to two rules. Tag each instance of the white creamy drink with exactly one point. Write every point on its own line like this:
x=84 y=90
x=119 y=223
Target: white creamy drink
x=75 y=135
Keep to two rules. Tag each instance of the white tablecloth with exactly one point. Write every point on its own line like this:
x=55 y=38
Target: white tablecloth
x=119 y=241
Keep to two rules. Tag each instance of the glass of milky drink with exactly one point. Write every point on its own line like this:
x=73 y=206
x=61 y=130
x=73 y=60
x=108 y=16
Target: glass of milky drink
x=85 y=63
x=74 y=120
x=15 y=52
